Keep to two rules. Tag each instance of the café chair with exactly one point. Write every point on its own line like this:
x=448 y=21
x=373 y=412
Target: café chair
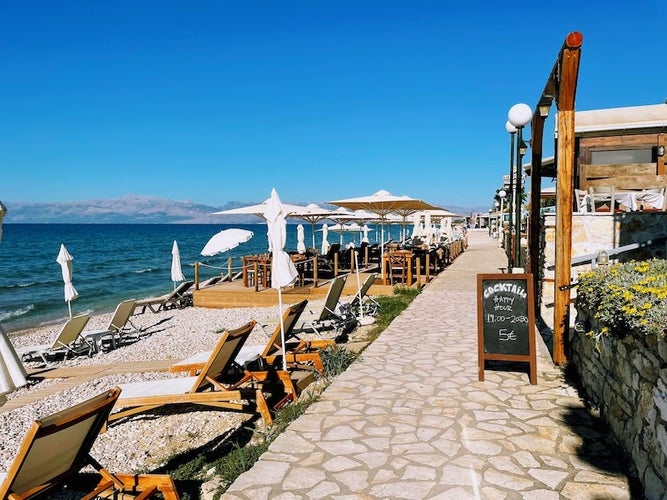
x=582 y=201
x=603 y=198
x=397 y=267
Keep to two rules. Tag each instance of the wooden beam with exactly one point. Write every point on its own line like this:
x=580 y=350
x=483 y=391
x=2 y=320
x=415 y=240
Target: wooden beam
x=567 y=75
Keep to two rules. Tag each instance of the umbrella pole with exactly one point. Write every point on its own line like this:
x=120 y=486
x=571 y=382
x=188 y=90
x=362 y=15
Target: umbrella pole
x=382 y=249
x=282 y=327
x=361 y=308
x=69 y=308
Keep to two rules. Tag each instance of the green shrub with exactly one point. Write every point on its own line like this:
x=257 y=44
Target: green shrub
x=335 y=359
x=626 y=297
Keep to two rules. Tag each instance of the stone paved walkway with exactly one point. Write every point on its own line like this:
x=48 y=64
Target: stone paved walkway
x=410 y=419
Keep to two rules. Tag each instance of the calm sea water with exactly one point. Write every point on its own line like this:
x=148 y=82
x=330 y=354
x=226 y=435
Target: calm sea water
x=113 y=262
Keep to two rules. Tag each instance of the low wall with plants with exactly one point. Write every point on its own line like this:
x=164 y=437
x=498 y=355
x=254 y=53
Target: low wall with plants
x=602 y=231
x=619 y=350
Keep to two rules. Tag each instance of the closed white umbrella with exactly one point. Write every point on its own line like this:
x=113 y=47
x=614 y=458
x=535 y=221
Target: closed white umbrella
x=312 y=213
x=325 y=235
x=427 y=227
x=365 y=229
x=12 y=372
x=176 y=271
x=283 y=272
x=416 y=226
x=300 y=239
x=65 y=260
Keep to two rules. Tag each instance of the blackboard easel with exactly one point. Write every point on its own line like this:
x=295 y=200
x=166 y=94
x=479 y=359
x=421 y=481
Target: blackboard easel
x=506 y=320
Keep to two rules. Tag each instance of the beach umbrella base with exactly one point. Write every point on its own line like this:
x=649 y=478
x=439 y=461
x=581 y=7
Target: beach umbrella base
x=367 y=320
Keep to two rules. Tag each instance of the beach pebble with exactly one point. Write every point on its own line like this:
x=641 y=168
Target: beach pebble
x=146 y=441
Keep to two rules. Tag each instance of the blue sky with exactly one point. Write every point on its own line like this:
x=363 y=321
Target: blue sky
x=217 y=101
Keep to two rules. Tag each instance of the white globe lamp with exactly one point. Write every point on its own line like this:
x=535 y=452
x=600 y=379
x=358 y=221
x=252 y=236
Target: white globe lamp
x=519 y=115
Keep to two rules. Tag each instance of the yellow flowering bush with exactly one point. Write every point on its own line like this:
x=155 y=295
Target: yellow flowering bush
x=626 y=297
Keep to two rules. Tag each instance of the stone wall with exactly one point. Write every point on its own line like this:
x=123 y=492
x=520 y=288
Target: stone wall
x=627 y=380
x=594 y=232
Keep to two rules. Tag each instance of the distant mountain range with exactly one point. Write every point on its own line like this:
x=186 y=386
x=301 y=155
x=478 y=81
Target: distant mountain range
x=137 y=210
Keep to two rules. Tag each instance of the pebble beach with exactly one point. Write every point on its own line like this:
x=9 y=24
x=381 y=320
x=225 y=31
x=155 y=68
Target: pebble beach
x=146 y=441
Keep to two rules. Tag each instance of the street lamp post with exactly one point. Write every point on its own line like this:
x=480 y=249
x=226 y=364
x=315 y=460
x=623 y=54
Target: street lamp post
x=501 y=195
x=519 y=115
x=511 y=129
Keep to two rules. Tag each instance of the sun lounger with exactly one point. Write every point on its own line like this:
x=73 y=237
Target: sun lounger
x=329 y=318
x=369 y=305
x=221 y=384
x=69 y=341
x=57 y=447
x=299 y=353
x=178 y=299
x=118 y=326
x=213 y=280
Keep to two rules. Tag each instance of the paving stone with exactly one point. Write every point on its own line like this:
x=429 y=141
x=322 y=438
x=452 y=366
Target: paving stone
x=303 y=477
x=551 y=478
x=338 y=464
x=401 y=489
x=409 y=419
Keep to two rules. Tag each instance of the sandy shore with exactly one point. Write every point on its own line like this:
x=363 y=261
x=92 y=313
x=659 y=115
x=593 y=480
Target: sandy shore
x=147 y=441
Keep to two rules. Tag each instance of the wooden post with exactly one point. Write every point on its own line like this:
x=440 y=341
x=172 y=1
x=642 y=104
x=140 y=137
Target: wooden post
x=315 y=283
x=230 y=267
x=568 y=74
x=256 y=271
x=196 y=275
x=428 y=267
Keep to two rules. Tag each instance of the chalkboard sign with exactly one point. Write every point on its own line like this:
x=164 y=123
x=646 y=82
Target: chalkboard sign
x=506 y=320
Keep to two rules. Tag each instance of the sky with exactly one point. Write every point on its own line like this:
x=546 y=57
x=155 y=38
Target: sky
x=215 y=101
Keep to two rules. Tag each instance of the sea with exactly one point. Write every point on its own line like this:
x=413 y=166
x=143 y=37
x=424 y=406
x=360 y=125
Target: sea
x=114 y=262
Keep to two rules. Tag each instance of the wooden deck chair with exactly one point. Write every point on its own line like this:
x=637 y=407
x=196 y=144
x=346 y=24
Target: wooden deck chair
x=177 y=299
x=298 y=352
x=69 y=341
x=118 y=326
x=329 y=318
x=57 y=447
x=220 y=384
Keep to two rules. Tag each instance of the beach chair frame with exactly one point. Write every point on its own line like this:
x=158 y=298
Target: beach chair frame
x=69 y=341
x=220 y=384
x=179 y=298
